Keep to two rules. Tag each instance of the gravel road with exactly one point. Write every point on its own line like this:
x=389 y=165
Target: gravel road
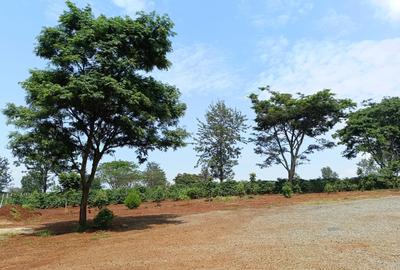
x=346 y=234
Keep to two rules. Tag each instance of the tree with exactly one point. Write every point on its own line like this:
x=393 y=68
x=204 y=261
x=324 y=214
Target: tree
x=96 y=93
x=5 y=176
x=328 y=173
x=119 y=174
x=366 y=167
x=40 y=156
x=34 y=180
x=374 y=130
x=284 y=123
x=187 y=179
x=154 y=176
x=217 y=140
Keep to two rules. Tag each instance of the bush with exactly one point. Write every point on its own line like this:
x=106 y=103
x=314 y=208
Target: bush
x=133 y=200
x=287 y=190
x=194 y=192
x=178 y=194
x=296 y=188
x=158 y=194
x=240 y=189
x=100 y=199
x=103 y=219
x=329 y=188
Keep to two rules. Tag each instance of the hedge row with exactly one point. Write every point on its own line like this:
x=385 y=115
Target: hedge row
x=98 y=198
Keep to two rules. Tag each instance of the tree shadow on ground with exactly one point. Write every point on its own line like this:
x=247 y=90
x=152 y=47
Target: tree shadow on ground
x=120 y=224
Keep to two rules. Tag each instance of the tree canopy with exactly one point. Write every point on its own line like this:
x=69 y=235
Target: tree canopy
x=217 y=140
x=154 y=176
x=96 y=93
x=119 y=174
x=328 y=173
x=374 y=130
x=284 y=122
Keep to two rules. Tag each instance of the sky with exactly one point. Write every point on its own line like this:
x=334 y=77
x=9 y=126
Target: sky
x=225 y=50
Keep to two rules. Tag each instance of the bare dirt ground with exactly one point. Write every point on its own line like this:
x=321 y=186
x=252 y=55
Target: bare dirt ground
x=358 y=230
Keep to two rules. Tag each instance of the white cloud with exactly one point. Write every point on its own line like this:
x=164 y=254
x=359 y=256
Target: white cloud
x=336 y=24
x=199 y=69
x=133 y=6
x=388 y=9
x=274 y=12
x=360 y=70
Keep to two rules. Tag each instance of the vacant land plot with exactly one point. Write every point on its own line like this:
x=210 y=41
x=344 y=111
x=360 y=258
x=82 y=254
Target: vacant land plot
x=314 y=231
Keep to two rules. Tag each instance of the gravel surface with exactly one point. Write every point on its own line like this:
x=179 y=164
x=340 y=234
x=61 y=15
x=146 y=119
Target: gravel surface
x=346 y=234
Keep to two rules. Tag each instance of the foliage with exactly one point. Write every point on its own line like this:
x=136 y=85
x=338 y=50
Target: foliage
x=158 y=194
x=35 y=181
x=252 y=177
x=103 y=219
x=284 y=123
x=133 y=200
x=287 y=190
x=367 y=167
x=40 y=155
x=69 y=181
x=154 y=176
x=328 y=173
x=217 y=140
x=96 y=93
x=5 y=176
x=241 y=189
x=187 y=179
x=375 y=130
x=119 y=174
x=100 y=199
x=329 y=188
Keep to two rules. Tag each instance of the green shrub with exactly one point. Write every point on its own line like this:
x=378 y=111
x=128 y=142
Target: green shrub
x=103 y=219
x=158 y=194
x=329 y=188
x=100 y=199
x=296 y=188
x=287 y=190
x=241 y=189
x=133 y=200
x=178 y=194
x=194 y=192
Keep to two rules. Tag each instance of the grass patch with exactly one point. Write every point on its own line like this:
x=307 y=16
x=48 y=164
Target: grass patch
x=44 y=233
x=100 y=235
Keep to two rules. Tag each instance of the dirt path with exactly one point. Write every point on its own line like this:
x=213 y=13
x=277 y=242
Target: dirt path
x=347 y=234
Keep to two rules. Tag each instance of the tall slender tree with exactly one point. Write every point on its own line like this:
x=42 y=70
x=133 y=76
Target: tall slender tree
x=284 y=122
x=96 y=94
x=5 y=176
x=217 y=140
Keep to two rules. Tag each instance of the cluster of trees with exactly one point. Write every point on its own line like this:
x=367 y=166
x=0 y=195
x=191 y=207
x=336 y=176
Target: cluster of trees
x=97 y=94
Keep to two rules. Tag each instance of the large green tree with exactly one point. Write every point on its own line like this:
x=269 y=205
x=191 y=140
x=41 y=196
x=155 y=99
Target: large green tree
x=375 y=130
x=289 y=128
x=217 y=140
x=119 y=174
x=96 y=94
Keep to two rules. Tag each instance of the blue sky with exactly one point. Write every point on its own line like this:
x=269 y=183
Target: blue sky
x=226 y=49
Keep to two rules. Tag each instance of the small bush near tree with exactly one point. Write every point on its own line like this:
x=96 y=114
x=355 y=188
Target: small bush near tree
x=287 y=190
x=103 y=219
x=133 y=200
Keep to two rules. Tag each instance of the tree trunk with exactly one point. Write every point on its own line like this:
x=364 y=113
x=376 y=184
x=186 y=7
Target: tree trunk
x=291 y=173
x=45 y=181
x=83 y=206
